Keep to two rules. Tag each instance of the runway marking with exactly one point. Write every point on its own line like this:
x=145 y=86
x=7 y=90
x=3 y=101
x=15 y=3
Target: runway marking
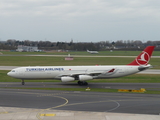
x=53 y=95
x=3 y=112
x=22 y=109
x=118 y=105
x=116 y=101
x=87 y=102
x=103 y=101
x=38 y=115
x=48 y=115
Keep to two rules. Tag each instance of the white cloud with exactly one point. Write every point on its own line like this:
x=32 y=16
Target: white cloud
x=78 y=17
x=72 y=8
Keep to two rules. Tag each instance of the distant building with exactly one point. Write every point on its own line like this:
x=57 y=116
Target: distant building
x=22 y=48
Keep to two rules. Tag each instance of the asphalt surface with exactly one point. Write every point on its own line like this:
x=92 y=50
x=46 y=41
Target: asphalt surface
x=81 y=101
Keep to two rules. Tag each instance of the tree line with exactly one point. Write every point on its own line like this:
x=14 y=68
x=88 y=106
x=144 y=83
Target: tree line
x=12 y=44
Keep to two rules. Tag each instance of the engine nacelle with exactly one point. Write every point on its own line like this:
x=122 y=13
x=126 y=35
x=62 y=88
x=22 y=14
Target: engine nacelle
x=85 y=77
x=67 y=79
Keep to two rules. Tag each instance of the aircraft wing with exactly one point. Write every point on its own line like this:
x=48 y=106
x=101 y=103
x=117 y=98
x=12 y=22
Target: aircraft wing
x=80 y=73
x=92 y=73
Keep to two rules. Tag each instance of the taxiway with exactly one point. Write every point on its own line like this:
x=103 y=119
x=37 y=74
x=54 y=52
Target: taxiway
x=80 y=101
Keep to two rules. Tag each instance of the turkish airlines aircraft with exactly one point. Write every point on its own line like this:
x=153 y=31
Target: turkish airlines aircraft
x=84 y=73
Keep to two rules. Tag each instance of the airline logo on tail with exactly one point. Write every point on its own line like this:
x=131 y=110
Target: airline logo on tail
x=143 y=58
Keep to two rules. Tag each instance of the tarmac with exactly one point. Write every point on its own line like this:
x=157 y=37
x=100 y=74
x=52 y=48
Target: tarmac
x=22 y=104
x=35 y=114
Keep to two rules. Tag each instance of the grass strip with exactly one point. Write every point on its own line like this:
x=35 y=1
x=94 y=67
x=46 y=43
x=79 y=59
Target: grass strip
x=60 y=61
x=91 y=90
x=107 y=52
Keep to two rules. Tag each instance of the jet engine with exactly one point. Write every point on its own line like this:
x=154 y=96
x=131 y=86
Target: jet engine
x=67 y=79
x=85 y=77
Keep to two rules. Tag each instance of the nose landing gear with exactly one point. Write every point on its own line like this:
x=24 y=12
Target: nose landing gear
x=23 y=83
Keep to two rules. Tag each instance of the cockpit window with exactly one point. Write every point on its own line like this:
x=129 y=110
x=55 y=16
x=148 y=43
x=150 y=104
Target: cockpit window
x=13 y=71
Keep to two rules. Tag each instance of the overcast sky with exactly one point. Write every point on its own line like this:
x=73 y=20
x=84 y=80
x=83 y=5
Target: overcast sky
x=80 y=20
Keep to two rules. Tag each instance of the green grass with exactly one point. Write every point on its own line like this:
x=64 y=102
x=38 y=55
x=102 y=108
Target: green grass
x=105 y=53
x=58 y=61
x=5 y=78
x=84 y=89
x=70 y=89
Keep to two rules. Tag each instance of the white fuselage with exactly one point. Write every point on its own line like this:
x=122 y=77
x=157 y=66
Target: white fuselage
x=56 y=72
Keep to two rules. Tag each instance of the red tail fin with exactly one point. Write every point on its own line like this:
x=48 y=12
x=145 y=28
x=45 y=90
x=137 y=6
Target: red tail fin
x=144 y=57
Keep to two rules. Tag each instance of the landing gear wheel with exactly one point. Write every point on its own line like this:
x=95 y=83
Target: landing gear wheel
x=85 y=83
x=82 y=83
x=23 y=82
x=79 y=82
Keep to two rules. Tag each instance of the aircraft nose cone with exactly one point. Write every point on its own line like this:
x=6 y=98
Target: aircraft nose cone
x=12 y=74
x=9 y=74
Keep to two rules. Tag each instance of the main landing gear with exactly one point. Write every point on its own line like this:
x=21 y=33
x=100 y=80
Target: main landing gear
x=23 y=82
x=82 y=83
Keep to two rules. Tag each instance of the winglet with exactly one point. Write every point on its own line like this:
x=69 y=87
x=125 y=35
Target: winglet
x=144 y=57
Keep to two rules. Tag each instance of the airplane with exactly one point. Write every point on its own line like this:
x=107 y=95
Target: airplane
x=92 y=52
x=84 y=73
